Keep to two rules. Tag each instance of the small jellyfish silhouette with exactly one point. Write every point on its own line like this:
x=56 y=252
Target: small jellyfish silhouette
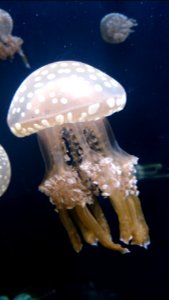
x=5 y=171
x=115 y=28
x=9 y=45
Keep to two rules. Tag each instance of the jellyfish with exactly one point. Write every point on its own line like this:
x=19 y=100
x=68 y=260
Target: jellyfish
x=115 y=28
x=152 y=171
x=9 y=45
x=5 y=171
x=28 y=296
x=66 y=103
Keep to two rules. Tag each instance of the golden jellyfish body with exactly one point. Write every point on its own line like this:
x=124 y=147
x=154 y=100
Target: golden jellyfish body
x=115 y=27
x=5 y=171
x=66 y=103
x=9 y=44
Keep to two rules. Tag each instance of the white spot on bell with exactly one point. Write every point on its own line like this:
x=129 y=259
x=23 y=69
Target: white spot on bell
x=28 y=105
x=59 y=119
x=18 y=126
x=37 y=111
x=110 y=102
x=37 y=126
x=69 y=117
x=21 y=100
x=54 y=100
x=121 y=101
x=92 y=109
x=38 y=78
x=39 y=84
x=23 y=114
x=107 y=84
x=82 y=117
x=45 y=123
x=44 y=72
x=63 y=100
x=51 y=76
x=30 y=129
x=23 y=131
x=64 y=64
x=18 y=110
x=30 y=95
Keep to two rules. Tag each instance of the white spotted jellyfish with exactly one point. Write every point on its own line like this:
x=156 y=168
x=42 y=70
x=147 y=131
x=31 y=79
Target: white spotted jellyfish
x=9 y=44
x=66 y=103
x=5 y=171
x=115 y=27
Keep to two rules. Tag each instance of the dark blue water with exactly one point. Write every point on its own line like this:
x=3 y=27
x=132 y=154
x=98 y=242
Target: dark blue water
x=35 y=251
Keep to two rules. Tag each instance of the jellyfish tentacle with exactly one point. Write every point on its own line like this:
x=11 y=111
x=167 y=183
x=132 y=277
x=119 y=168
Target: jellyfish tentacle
x=100 y=217
x=113 y=171
x=121 y=208
x=75 y=138
x=87 y=218
x=24 y=58
x=140 y=229
x=86 y=232
x=71 y=230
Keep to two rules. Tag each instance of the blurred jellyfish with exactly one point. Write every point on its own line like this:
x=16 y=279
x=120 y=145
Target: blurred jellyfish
x=5 y=171
x=4 y=297
x=152 y=171
x=24 y=296
x=9 y=45
x=115 y=28
x=47 y=294
x=66 y=103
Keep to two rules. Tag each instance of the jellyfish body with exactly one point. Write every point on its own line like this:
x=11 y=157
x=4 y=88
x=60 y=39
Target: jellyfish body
x=6 y=24
x=5 y=171
x=65 y=103
x=9 y=45
x=115 y=28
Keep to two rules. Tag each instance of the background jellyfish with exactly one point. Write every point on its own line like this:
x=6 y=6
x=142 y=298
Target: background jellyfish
x=5 y=171
x=115 y=28
x=9 y=45
x=65 y=104
x=49 y=294
x=152 y=171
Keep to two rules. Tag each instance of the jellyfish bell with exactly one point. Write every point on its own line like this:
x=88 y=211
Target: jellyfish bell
x=74 y=91
x=115 y=27
x=66 y=103
x=5 y=171
x=6 y=24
